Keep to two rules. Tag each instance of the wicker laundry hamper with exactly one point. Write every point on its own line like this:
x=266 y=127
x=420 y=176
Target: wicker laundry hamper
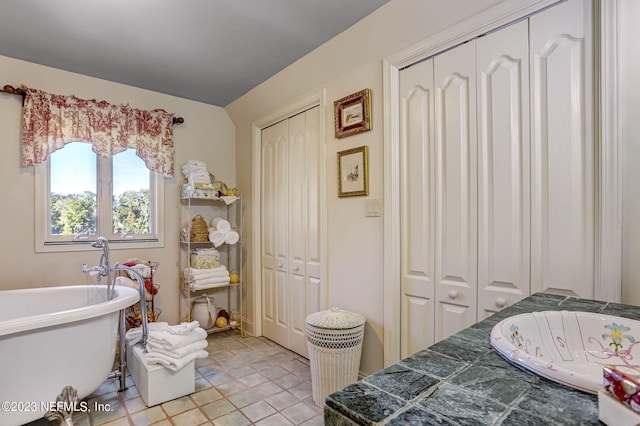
x=334 y=340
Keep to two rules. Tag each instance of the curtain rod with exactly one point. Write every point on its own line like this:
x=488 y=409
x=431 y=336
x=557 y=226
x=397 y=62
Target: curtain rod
x=13 y=91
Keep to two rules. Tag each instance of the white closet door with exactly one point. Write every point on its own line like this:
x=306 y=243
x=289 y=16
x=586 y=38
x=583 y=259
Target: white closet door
x=417 y=211
x=503 y=168
x=274 y=175
x=456 y=190
x=562 y=202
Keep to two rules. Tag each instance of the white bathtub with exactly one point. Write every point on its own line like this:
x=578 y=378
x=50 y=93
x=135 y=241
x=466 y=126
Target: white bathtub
x=51 y=338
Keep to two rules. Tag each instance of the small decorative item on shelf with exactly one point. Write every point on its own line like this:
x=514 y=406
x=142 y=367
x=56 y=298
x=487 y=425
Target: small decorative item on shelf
x=220 y=186
x=199 y=230
x=223 y=319
x=232 y=192
x=233 y=318
x=205 y=258
x=234 y=278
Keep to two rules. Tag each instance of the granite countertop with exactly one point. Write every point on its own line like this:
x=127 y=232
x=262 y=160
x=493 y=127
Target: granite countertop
x=463 y=381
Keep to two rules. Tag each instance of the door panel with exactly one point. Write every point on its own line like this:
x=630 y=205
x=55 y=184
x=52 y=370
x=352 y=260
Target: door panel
x=417 y=208
x=456 y=189
x=297 y=232
x=562 y=202
x=503 y=168
x=274 y=294
x=313 y=265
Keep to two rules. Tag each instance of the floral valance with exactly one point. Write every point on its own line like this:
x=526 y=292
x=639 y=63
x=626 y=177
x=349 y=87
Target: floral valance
x=51 y=121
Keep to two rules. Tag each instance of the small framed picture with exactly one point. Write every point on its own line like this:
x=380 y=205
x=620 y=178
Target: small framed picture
x=353 y=172
x=352 y=114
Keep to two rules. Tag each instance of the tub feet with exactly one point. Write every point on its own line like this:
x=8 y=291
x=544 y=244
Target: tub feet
x=66 y=402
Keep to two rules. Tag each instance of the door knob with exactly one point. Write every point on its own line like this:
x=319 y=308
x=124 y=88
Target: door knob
x=279 y=265
x=453 y=294
x=295 y=268
x=500 y=302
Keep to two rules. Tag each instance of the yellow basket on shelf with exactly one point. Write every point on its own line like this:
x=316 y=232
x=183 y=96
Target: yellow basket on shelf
x=199 y=230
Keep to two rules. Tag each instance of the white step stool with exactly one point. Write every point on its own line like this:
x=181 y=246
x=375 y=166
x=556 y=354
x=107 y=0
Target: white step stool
x=156 y=383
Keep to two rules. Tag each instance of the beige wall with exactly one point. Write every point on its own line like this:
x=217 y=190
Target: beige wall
x=207 y=134
x=348 y=63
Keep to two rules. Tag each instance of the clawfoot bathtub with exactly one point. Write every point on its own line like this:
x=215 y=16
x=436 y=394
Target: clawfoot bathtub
x=54 y=337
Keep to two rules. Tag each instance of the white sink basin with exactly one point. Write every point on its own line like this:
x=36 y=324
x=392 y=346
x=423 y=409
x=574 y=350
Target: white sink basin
x=568 y=347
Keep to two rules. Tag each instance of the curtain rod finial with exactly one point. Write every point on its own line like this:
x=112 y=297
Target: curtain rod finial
x=178 y=120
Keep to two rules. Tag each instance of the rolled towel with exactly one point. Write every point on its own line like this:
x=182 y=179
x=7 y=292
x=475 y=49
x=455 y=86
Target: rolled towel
x=134 y=335
x=172 y=341
x=221 y=225
x=231 y=238
x=217 y=238
x=174 y=364
x=183 y=328
x=178 y=352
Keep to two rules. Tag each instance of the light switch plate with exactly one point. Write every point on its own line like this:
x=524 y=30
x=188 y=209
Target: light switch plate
x=372 y=207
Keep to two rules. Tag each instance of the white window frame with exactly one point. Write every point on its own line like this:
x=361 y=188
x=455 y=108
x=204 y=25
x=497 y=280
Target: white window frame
x=45 y=242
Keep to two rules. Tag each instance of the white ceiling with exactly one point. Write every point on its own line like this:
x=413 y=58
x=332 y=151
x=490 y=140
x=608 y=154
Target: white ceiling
x=211 y=51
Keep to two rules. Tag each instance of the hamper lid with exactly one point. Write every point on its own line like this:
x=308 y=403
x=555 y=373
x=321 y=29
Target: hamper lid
x=335 y=318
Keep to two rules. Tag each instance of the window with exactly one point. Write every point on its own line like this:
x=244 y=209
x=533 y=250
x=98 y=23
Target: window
x=82 y=196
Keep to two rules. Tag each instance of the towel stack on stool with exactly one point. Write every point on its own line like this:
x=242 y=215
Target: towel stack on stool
x=173 y=346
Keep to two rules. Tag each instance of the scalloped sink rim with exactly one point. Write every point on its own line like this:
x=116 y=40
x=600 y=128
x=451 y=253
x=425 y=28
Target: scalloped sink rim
x=568 y=347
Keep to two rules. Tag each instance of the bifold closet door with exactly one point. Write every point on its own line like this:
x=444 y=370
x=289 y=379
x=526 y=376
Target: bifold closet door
x=290 y=205
x=562 y=185
x=417 y=211
x=456 y=190
x=502 y=61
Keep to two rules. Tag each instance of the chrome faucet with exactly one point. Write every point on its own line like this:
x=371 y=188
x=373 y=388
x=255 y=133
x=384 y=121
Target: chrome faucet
x=104 y=270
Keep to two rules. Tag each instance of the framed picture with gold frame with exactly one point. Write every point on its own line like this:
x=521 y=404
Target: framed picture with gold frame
x=352 y=114
x=353 y=172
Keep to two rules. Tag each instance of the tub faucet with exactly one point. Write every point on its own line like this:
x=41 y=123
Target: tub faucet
x=104 y=270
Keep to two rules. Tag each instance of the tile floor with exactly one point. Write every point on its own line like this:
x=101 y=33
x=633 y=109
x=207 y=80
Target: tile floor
x=244 y=381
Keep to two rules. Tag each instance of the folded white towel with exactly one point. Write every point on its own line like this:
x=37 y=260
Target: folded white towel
x=217 y=238
x=213 y=280
x=231 y=238
x=172 y=341
x=218 y=270
x=204 y=175
x=174 y=364
x=221 y=225
x=180 y=352
x=210 y=273
x=196 y=163
x=194 y=169
x=134 y=335
x=209 y=284
x=183 y=328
